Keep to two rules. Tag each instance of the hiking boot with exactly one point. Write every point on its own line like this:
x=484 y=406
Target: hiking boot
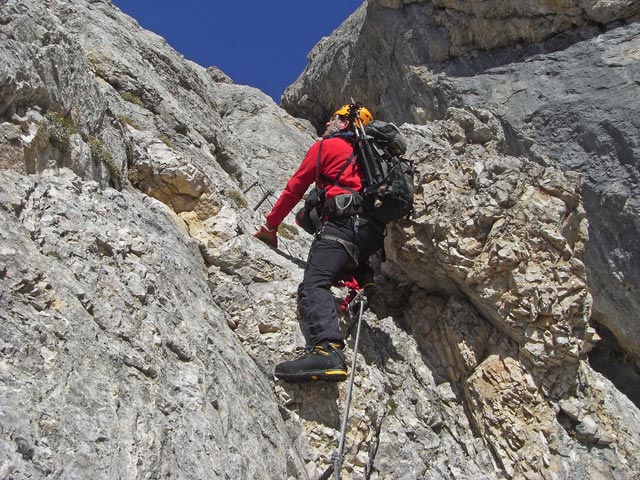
x=325 y=361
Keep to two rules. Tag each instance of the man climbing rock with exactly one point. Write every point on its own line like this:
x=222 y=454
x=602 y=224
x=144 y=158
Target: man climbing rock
x=344 y=241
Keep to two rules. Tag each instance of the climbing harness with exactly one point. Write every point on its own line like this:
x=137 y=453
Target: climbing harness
x=350 y=247
x=336 y=466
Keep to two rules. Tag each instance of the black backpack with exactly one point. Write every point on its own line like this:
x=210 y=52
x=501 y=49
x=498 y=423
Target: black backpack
x=388 y=178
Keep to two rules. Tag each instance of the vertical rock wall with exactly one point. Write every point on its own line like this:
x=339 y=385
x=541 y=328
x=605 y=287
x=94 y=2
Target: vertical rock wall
x=141 y=321
x=560 y=76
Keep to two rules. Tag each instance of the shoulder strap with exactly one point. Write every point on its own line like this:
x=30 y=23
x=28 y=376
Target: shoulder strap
x=336 y=182
x=318 y=163
x=344 y=167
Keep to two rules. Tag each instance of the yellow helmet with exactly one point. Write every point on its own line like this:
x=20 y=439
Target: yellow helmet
x=361 y=113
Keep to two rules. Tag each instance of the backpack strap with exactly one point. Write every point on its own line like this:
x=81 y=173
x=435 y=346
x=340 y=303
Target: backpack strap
x=314 y=215
x=336 y=182
x=318 y=163
x=342 y=170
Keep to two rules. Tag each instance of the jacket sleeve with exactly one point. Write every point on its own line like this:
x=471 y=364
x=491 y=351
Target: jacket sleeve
x=296 y=187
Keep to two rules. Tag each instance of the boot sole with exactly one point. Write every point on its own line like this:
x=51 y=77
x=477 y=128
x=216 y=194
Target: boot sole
x=335 y=375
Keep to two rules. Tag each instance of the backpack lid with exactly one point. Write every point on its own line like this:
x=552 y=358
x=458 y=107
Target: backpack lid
x=388 y=136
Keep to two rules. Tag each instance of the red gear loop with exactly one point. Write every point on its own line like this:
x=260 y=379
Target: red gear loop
x=351 y=283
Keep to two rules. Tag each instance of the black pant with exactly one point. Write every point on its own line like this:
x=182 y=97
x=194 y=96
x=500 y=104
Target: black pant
x=327 y=263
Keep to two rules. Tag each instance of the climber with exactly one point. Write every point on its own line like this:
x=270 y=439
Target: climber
x=343 y=243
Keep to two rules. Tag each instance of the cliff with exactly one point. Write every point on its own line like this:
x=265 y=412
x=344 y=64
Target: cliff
x=560 y=76
x=141 y=321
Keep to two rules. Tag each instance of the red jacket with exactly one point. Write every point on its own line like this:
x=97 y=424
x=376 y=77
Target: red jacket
x=333 y=156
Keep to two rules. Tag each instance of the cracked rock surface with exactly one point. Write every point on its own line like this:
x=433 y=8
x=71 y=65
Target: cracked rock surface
x=141 y=320
x=561 y=77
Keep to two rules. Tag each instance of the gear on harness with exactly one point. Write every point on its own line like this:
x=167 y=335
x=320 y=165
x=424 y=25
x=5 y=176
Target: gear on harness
x=354 y=288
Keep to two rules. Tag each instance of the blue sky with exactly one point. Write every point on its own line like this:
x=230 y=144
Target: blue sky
x=260 y=43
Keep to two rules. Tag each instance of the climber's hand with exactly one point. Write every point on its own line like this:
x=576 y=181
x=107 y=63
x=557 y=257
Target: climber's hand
x=268 y=235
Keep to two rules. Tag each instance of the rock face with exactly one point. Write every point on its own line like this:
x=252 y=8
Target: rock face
x=141 y=321
x=561 y=77
x=114 y=355
x=509 y=234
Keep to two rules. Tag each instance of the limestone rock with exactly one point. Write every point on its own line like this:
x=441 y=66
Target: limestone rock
x=510 y=235
x=142 y=320
x=113 y=350
x=560 y=76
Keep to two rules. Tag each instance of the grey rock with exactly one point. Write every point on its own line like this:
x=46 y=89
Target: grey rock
x=562 y=79
x=131 y=365
x=142 y=320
